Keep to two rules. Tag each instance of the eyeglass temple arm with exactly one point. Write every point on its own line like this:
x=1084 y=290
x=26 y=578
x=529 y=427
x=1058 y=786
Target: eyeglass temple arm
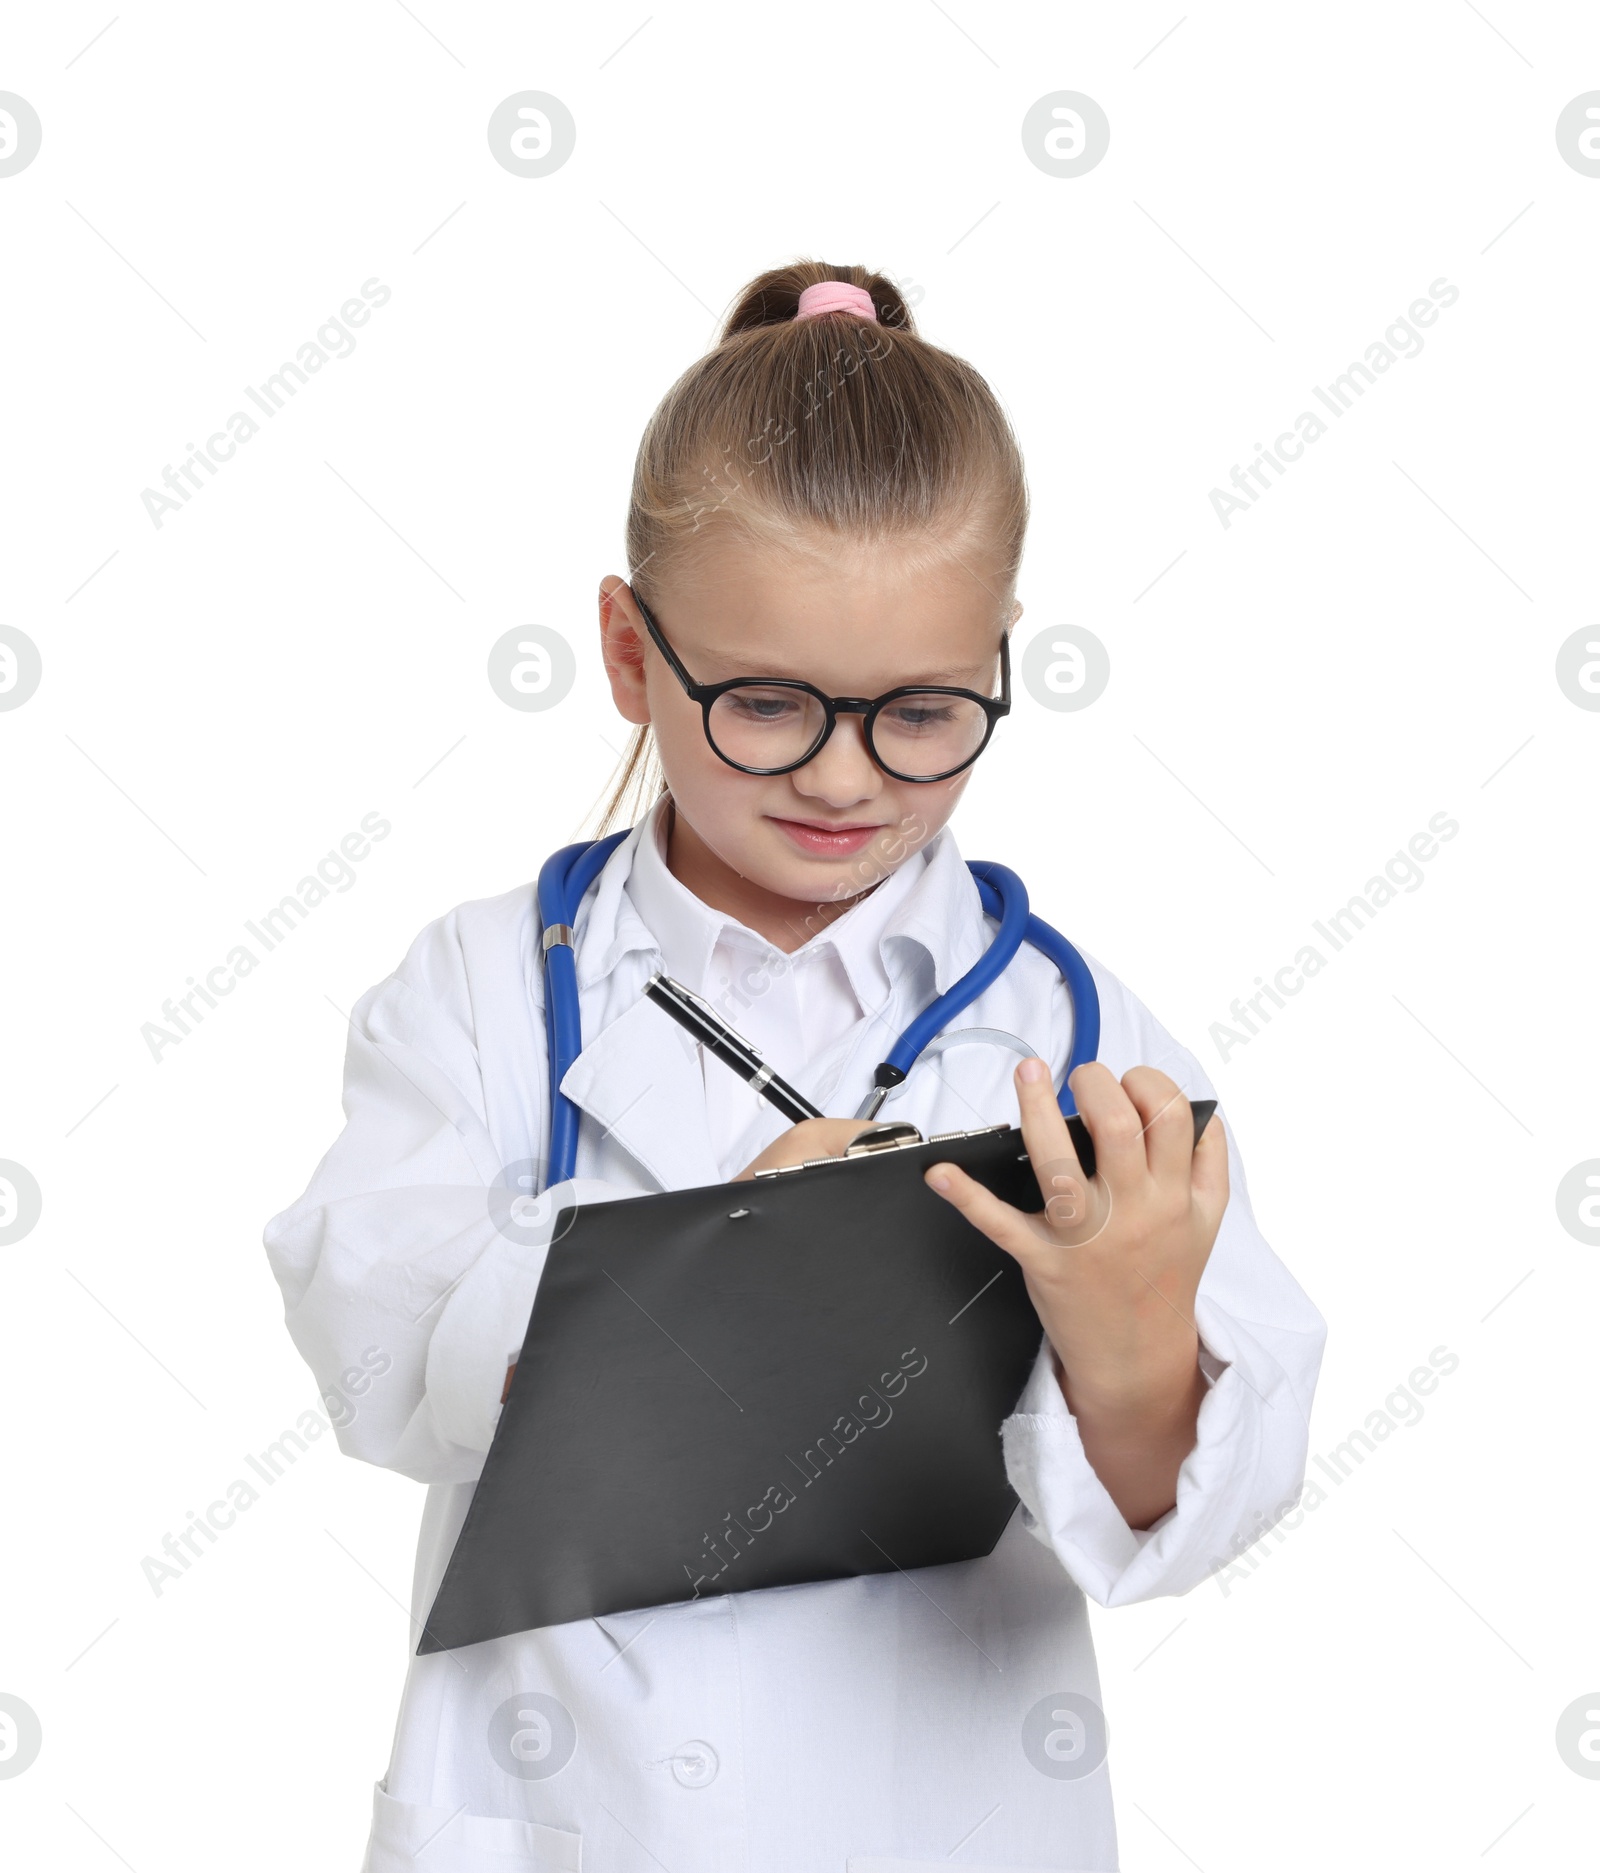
x=661 y=644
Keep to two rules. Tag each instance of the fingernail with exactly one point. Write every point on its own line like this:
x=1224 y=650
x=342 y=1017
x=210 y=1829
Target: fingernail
x=939 y=1182
x=1031 y=1070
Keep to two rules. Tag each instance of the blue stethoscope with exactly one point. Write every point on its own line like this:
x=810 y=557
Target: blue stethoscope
x=567 y=875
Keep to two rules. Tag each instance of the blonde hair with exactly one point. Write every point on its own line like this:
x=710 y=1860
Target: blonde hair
x=830 y=423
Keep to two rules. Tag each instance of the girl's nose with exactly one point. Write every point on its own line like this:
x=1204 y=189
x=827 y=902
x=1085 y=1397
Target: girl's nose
x=842 y=773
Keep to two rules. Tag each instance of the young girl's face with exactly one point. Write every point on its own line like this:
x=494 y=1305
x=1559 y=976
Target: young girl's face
x=853 y=620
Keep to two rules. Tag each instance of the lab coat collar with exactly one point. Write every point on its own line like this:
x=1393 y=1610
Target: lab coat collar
x=607 y=927
x=943 y=916
x=641 y=1080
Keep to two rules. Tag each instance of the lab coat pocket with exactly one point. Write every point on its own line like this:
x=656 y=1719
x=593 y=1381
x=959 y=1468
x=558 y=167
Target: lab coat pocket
x=458 y=1842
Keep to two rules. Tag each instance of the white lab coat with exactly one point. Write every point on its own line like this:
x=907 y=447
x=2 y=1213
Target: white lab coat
x=871 y=1725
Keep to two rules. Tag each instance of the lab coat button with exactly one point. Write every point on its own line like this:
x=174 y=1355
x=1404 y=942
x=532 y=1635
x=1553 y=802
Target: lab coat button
x=694 y=1764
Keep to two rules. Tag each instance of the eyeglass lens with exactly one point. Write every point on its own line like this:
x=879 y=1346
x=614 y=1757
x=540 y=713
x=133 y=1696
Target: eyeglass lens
x=923 y=733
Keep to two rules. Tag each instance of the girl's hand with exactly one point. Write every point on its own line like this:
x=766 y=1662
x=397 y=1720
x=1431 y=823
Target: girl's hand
x=1113 y=1264
x=811 y=1138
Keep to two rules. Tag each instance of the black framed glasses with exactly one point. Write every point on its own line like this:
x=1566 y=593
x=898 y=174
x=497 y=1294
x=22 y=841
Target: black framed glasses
x=772 y=725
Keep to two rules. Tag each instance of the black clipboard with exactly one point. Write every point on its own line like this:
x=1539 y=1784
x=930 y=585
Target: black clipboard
x=751 y=1385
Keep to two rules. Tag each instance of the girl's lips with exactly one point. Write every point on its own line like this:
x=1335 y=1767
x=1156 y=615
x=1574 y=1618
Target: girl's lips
x=826 y=842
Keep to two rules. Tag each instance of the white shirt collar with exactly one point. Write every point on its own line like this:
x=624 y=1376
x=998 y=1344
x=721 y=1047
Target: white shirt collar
x=929 y=902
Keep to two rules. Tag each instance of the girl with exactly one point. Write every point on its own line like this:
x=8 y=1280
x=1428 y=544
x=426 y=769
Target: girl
x=828 y=499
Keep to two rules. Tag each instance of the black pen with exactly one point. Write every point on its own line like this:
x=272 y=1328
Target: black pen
x=714 y=1034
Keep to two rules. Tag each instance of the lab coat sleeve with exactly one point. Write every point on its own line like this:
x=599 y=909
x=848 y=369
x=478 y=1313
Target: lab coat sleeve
x=1260 y=1353
x=405 y=1263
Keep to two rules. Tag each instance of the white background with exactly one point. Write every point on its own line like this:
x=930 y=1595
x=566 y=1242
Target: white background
x=1373 y=643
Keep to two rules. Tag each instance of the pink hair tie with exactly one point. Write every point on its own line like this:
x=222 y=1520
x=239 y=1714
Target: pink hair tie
x=836 y=296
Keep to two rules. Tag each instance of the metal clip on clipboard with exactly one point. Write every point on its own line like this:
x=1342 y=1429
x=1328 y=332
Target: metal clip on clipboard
x=872 y=1143
x=900 y=1136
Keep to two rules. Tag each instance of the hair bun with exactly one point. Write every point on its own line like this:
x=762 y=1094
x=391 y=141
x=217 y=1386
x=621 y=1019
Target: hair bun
x=773 y=298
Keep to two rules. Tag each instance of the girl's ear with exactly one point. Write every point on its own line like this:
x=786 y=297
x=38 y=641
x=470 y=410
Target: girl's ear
x=622 y=640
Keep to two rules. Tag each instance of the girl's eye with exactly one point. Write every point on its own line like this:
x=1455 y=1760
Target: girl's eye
x=761 y=706
x=919 y=718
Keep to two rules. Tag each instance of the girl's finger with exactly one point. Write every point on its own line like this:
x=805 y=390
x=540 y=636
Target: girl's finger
x=1006 y=1227
x=1044 y=1130
x=1210 y=1173
x=1114 y=1125
x=1168 y=1122
x=1051 y=1151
